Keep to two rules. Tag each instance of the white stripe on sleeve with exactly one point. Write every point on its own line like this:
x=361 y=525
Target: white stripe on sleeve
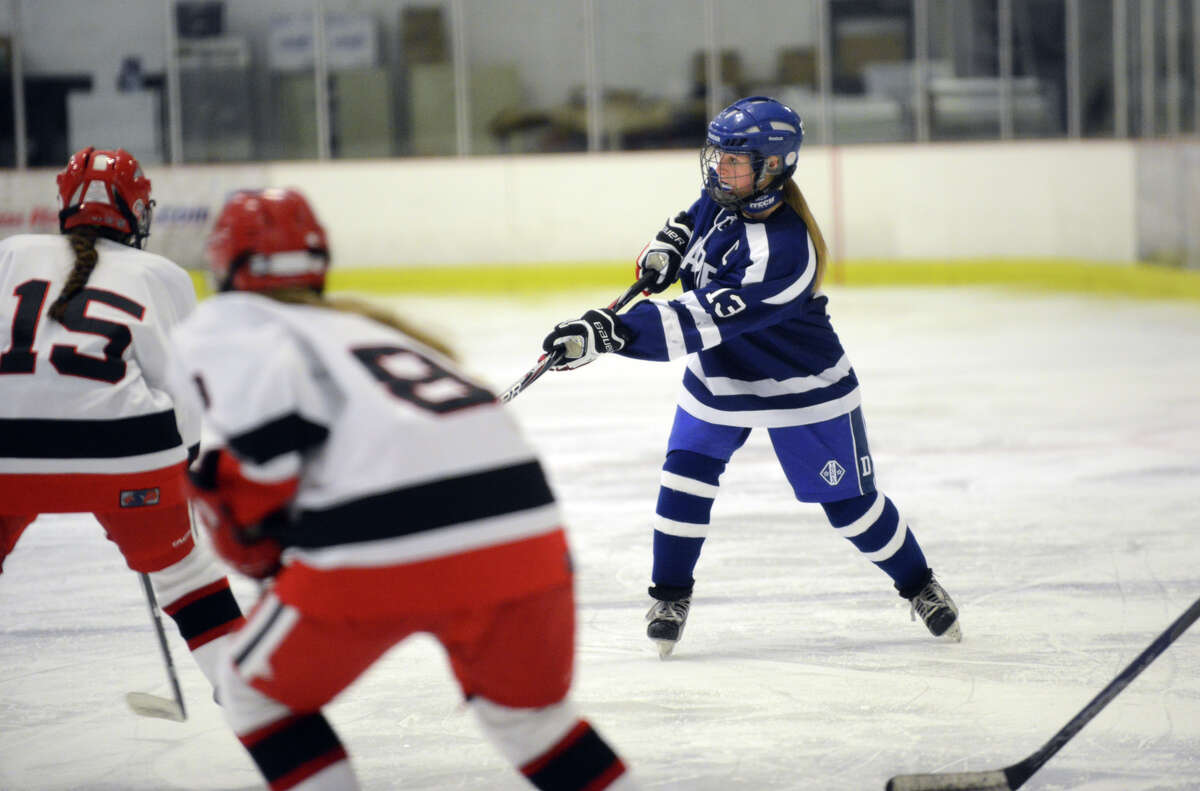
x=672 y=331
x=710 y=336
x=797 y=288
x=759 y=253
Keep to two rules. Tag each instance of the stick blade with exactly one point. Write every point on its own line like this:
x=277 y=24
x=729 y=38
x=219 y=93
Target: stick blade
x=148 y=705
x=956 y=781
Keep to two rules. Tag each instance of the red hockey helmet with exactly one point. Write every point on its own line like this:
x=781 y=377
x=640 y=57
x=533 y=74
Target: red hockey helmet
x=106 y=189
x=267 y=240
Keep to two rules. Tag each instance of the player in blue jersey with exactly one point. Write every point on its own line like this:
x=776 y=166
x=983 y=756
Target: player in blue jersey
x=761 y=353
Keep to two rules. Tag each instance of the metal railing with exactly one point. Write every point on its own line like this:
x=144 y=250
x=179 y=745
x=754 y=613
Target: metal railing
x=878 y=71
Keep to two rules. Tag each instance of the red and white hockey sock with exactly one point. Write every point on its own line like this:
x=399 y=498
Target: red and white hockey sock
x=300 y=753
x=553 y=747
x=580 y=761
x=195 y=592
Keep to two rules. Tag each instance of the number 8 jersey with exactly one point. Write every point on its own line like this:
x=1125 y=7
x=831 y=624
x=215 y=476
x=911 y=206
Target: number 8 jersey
x=400 y=462
x=89 y=394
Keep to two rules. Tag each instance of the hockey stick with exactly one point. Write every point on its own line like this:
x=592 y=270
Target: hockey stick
x=144 y=703
x=1013 y=777
x=551 y=359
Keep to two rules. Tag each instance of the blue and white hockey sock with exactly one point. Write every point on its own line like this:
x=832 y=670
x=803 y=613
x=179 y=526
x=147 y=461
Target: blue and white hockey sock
x=873 y=525
x=685 y=500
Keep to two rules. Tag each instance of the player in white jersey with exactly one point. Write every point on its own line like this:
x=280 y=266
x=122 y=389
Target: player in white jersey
x=88 y=420
x=762 y=353
x=383 y=493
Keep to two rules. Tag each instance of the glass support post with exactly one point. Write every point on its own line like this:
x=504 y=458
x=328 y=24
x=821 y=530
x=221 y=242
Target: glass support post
x=825 y=70
x=174 y=100
x=1174 y=70
x=1004 y=24
x=20 y=149
x=1074 y=59
x=321 y=81
x=920 y=73
x=462 y=102
x=591 y=79
x=1148 y=53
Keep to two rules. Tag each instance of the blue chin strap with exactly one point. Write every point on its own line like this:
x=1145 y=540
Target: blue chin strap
x=760 y=203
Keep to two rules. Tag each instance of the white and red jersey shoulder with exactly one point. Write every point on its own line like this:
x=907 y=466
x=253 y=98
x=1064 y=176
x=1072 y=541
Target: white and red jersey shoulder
x=90 y=393
x=415 y=490
x=385 y=435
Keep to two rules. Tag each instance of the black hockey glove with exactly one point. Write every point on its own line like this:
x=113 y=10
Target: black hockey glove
x=586 y=338
x=665 y=253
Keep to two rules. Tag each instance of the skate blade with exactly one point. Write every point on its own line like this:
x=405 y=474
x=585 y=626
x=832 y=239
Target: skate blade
x=148 y=705
x=953 y=634
x=665 y=647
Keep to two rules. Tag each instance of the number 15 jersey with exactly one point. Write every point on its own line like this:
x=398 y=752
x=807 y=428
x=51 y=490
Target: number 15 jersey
x=90 y=394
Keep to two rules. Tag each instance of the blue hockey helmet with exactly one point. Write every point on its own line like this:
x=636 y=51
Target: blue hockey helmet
x=766 y=130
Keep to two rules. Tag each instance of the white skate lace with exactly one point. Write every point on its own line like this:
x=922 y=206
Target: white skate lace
x=926 y=602
x=669 y=611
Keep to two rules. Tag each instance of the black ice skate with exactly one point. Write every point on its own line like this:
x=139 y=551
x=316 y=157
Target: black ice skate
x=667 y=619
x=937 y=610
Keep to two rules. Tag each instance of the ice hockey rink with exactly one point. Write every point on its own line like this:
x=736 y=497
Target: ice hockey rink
x=1045 y=448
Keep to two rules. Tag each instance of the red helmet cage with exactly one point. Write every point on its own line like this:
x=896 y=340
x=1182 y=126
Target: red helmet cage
x=256 y=230
x=106 y=189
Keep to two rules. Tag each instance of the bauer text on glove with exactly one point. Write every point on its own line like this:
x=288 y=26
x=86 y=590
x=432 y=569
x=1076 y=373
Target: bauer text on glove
x=664 y=254
x=584 y=339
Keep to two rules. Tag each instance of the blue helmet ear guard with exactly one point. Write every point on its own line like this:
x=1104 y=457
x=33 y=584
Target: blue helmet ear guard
x=769 y=132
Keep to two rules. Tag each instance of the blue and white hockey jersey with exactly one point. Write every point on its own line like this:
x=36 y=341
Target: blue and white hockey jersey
x=762 y=349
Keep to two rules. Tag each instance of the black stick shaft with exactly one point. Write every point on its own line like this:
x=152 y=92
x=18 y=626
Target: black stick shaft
x=1020 y=772
x=172 y=676
x=548 y=361
x=1013 y=777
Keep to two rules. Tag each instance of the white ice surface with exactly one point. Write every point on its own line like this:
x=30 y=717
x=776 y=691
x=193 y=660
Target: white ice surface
x=1045 y=450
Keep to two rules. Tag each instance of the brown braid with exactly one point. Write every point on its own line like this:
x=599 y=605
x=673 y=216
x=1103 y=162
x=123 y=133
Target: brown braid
x=794 y=198
x=305 y=296
x=83 y=242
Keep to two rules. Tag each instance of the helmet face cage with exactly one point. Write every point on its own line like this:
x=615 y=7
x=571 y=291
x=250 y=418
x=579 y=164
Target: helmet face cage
x=770 y=133
x=265 y=241
x=105 y=189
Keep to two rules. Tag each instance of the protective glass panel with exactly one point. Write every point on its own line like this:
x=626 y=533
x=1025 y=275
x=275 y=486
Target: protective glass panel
x=1174 y=67
x=1096 y=83
x=1188 y=58
x=422 y=62
x=770 y=47
x=1039 y=87
x=8 y=147
x=526 y=77
x=83 y=89
x=651 y=57
x=872 y=46
x=363 y=57
x=964 y=91
x=246 y=74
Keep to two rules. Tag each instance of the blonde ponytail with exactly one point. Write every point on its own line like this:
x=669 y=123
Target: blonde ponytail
x=304 y=296
x=794 y=198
